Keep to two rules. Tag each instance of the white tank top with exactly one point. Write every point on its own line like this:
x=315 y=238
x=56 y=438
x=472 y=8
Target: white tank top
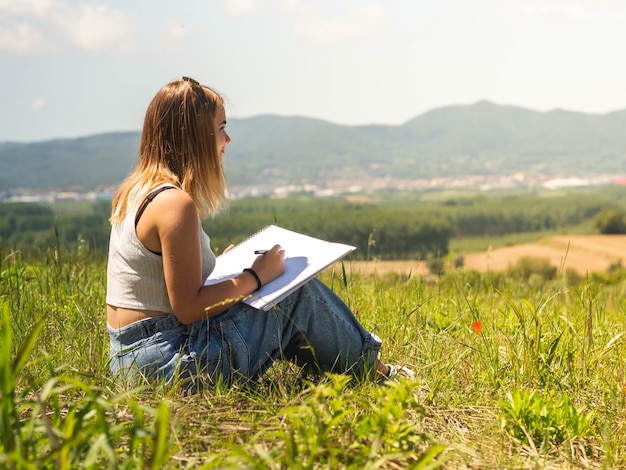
x=135 y=277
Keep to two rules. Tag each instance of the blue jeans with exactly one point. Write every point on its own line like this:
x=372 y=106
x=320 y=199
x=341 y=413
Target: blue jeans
x=312 y=327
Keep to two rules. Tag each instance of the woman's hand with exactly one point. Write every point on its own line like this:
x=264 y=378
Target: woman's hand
x=270 y=265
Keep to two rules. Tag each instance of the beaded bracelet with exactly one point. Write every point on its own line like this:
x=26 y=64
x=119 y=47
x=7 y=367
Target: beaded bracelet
x=259 y=284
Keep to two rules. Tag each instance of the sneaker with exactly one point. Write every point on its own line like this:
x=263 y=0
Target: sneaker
x=397 y=372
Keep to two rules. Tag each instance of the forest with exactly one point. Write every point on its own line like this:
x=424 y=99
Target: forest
x=398 y=226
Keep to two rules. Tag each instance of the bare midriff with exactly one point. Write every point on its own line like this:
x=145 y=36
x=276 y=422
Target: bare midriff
x=119 y=317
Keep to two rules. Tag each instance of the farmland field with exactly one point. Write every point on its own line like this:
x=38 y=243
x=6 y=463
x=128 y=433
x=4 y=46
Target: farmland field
x=581 y=253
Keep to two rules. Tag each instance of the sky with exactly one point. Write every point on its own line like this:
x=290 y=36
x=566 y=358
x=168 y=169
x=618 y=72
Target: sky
x=73 y=68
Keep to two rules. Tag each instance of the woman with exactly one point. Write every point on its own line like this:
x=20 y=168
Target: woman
x=163 y=322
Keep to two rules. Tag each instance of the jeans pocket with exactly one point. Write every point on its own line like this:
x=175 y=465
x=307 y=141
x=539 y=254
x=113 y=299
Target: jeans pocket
x=143 y=348
x=140 y=357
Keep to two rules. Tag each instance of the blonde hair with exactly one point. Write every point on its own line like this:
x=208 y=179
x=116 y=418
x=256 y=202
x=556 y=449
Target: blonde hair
x=178 y=147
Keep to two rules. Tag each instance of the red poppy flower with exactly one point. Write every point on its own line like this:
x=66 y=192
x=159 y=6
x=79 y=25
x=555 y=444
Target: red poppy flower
x=477 y=326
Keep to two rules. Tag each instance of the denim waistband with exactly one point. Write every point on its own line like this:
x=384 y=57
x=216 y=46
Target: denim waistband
x=148 y=326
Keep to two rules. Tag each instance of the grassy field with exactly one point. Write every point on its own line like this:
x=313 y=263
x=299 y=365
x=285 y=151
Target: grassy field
x=519 y=369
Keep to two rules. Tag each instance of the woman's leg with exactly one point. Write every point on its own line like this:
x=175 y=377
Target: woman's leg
x=322 y=333
x=313 y=327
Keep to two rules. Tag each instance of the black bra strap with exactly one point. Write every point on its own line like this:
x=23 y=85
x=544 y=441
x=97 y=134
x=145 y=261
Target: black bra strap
x=148 y=200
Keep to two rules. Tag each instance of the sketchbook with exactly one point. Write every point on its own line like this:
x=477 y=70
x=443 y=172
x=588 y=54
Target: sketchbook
x=305 y=257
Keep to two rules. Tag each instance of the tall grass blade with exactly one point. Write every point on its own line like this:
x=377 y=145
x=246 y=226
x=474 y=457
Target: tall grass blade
x=8 y=414
x=27 y=347
x=160 y=447
x=9 y=420
x=429 y=459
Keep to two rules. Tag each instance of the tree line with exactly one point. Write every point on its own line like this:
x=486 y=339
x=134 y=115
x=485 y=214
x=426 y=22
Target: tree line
x=392 y=228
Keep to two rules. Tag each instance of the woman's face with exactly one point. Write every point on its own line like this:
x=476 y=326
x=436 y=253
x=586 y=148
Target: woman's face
x=219 y=129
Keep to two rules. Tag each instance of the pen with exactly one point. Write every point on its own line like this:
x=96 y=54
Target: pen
x=260 y=252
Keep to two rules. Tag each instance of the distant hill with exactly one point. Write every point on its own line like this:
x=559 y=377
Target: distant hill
x=482 y=138
x=87 y=162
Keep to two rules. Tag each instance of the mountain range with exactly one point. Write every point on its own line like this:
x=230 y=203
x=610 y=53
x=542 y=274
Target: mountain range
x=483 y=138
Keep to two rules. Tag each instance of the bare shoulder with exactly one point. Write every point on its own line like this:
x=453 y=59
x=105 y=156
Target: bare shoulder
x=171 y=208
x=173 y=198
x=167 y=220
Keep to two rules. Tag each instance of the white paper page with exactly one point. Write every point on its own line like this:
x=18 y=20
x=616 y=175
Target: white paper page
x=304 y=258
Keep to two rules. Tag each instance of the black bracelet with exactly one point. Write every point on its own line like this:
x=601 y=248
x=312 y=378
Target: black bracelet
x=259 y=284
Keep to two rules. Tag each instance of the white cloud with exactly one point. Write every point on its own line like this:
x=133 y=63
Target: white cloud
x=38 y=103
x=569 y=12
x=240 y=7
x=94 y=27
x=22 y=39
x=26 y=7
x=176 y=38
x=358 y=20
x=40 y=26
x=177 y=31
x=582 y=11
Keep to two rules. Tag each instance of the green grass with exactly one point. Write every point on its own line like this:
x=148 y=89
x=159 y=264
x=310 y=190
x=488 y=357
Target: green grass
x=515 y=371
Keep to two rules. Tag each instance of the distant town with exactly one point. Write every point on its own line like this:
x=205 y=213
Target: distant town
x=344 y=187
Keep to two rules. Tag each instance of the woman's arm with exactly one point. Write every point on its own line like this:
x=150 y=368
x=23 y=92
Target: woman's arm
x=175 y=227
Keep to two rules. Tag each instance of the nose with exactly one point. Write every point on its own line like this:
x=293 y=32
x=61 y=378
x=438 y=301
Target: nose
x=227 y=138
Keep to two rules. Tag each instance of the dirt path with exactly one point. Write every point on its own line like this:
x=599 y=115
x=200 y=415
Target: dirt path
x=582 y=253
